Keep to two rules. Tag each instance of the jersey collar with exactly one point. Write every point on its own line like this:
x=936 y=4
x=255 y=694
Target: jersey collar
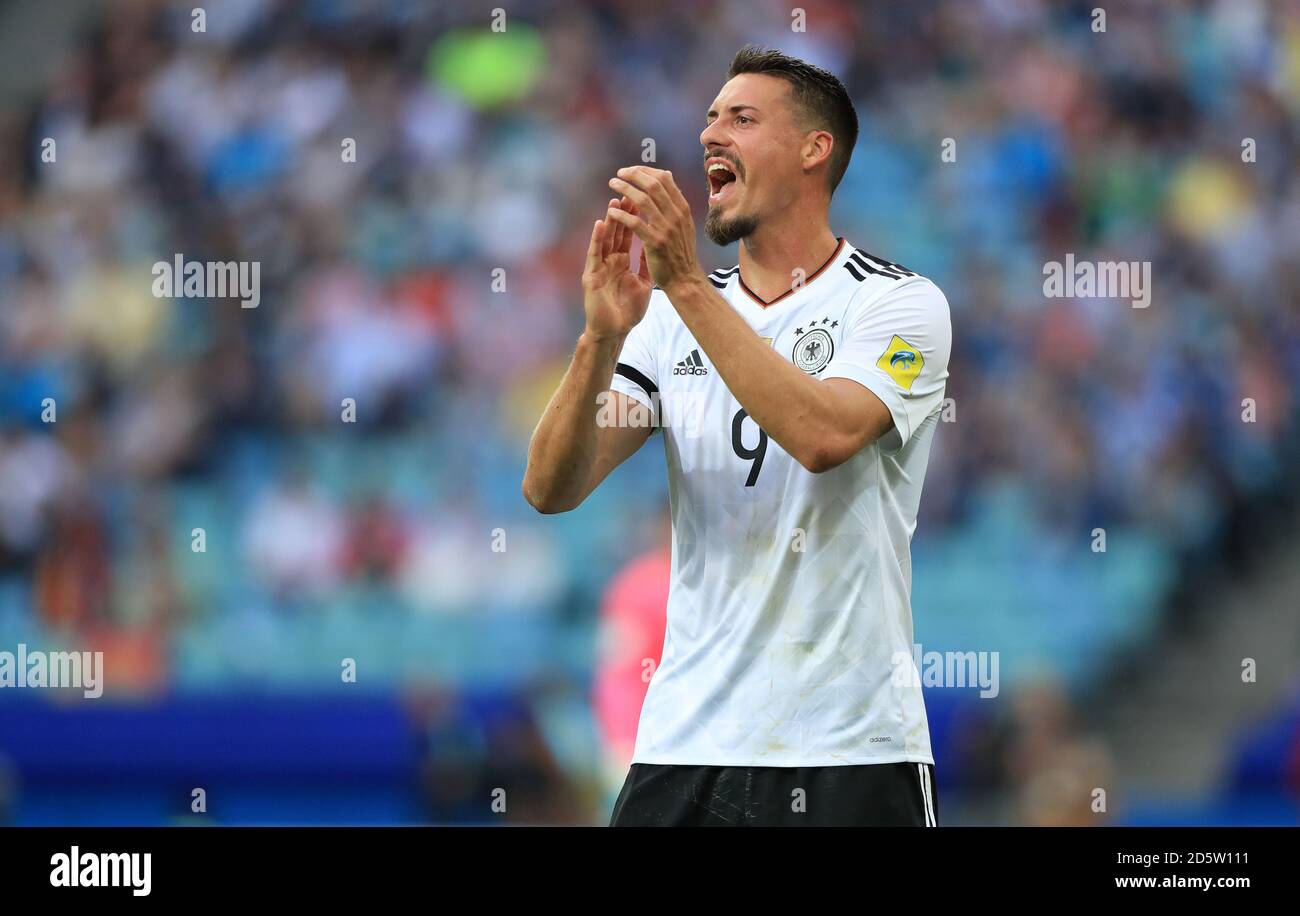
x=839 y=249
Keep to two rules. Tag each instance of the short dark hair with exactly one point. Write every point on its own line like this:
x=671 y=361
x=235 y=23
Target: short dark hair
x=820 y=98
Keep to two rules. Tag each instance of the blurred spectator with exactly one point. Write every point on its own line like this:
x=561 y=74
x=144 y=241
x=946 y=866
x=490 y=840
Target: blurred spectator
x=631 y=640
x=294 y=539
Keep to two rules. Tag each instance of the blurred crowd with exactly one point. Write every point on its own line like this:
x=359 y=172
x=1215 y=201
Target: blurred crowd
x=417 y=187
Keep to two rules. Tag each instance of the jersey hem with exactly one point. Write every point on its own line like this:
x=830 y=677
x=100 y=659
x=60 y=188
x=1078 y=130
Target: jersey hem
x=671 y=760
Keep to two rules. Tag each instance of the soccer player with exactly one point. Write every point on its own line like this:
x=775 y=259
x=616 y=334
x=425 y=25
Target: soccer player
x=798 y=394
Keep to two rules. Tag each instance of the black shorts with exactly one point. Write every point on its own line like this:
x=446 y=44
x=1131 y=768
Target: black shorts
x=869 y=795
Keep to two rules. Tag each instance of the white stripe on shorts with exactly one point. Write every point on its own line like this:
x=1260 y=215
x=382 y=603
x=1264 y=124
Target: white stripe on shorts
x=925 y=794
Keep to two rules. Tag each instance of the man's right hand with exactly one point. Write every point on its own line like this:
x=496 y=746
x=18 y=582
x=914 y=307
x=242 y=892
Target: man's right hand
x=614 y=297
x=571 y=452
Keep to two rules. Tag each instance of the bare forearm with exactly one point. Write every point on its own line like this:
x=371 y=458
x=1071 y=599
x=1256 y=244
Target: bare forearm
x=563 y=449
x=796 y=410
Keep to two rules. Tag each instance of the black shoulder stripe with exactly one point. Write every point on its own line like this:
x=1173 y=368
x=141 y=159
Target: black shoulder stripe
x=720 y=284
x=848 y=265
x=888 y=265
x=869 y=268
x=636 y=377
x=724 y=273
x=872 y=265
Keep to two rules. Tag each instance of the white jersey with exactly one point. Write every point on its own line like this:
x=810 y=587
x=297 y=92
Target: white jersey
x=789 y=636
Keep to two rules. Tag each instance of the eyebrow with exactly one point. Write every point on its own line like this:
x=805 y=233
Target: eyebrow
x=734 y=109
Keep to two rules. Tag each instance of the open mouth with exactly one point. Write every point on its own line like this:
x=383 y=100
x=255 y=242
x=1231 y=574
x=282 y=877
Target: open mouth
x=722 y=180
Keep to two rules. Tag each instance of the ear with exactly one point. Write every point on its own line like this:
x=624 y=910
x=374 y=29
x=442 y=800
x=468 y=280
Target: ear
x=817 y=148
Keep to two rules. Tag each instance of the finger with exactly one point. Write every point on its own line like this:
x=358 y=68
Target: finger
x=622 y=237
x=626 y=234
x=640 y=175
x=634 y=223
x=654 y=182
x=675 y=193
x=643 y=268
x=593 y=249
x=645 y=205
x=607 y=243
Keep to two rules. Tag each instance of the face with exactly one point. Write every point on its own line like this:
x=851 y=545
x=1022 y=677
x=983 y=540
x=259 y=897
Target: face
x=752 y=155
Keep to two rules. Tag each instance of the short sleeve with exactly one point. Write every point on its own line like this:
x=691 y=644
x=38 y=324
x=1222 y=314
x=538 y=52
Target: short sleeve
x=636 y=373
x=897 y=346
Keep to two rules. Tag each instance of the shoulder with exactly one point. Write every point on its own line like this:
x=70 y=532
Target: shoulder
x=723 y=276
x=722 y=279
x=883 y=286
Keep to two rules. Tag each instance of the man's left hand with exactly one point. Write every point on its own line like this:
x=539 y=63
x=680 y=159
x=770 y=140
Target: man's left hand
x=663 y=222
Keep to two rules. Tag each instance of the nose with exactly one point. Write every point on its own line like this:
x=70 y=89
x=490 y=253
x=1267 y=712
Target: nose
x=713 y=134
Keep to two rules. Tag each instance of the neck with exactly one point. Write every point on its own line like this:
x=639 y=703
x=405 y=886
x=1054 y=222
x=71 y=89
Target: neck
x=771 y=256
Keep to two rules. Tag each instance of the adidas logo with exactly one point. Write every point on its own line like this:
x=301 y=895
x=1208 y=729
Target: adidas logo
x=691 y=365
